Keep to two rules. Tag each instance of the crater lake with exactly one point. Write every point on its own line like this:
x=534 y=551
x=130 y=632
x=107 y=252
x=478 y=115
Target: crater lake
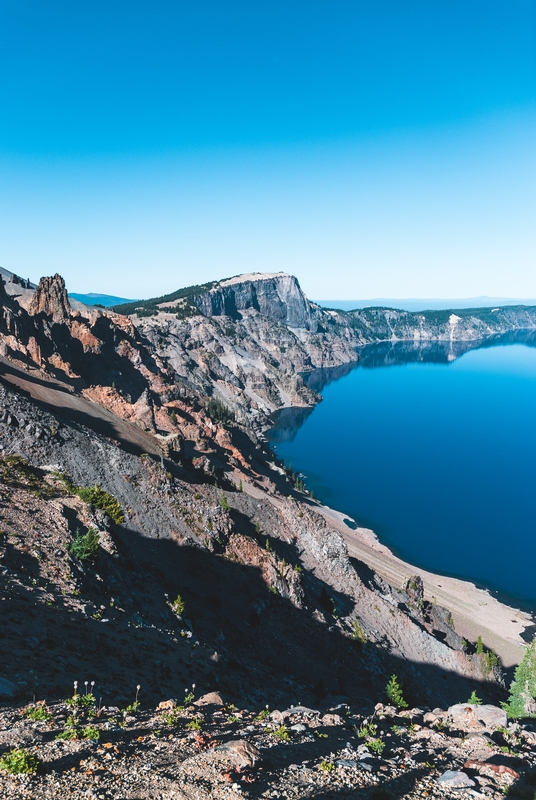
x=433 y=446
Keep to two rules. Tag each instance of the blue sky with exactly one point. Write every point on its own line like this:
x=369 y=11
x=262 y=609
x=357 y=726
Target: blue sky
x=374 y=148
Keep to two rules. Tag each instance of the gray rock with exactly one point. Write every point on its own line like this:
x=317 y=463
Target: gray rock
x=244 y=753
x=455 y=780
x=347 y=763
x=299 y=728
x=7 y=689
x=210 y=699
x=296 y=710
x=466 y=716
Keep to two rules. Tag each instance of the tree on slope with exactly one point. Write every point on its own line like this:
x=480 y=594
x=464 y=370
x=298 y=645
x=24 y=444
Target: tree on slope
x=522 y=698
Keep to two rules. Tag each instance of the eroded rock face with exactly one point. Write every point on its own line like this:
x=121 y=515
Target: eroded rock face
x=51 y=299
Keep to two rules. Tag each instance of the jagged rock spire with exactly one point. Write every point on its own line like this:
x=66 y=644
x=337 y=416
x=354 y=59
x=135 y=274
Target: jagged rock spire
x=51 y=299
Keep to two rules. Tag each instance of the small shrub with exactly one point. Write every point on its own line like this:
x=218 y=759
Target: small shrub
x=179 y=606
x=474 y=700
x=91 y=732
x=394 y=693
x=224 y=503
x=376 y=746
x=82 y=701
x=262 y=715
x=327 y=766
x=19 y=762
x=37 y=713
x=358 y=634
x=282 y=733
x=70 y=732
x=96 y=497
x=85 y=546
x=173 y=417
x=367 y=729
x=195 y=724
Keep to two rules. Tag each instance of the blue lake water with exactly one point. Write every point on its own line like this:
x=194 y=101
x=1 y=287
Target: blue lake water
x=433 y=449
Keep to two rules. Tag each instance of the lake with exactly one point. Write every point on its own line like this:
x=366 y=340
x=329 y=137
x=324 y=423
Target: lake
x=434 y=448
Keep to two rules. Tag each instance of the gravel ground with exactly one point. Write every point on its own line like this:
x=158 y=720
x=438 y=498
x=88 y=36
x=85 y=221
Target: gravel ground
x=217 y=751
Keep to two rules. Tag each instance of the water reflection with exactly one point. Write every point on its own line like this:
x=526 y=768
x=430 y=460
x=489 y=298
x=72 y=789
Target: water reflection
x=287 y=421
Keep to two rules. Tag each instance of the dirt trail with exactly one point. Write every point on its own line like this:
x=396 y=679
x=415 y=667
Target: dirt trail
x=62 y=400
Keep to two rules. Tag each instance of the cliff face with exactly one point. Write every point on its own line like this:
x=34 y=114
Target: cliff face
x=255 y=337
x=278 y=297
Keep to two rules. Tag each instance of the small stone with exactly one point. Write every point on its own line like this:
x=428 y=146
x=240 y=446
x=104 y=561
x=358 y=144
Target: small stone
x=166 y=705
x=332 y=719
x=456 y=780
x=299 y=728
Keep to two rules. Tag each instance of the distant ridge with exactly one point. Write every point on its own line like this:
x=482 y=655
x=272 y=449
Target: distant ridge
x=426 y=304
x=106 y=300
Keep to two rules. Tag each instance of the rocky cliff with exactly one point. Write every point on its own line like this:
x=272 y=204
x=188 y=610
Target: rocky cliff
x=249 y=341
x=277 y=297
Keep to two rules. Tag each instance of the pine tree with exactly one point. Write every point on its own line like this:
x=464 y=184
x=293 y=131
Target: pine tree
x=394 y=693
x=522 y=698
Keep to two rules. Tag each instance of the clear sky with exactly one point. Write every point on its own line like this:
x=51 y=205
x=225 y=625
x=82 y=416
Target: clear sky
x=371 y=147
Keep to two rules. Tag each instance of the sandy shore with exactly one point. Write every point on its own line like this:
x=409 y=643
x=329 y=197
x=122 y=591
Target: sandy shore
x=475 y=611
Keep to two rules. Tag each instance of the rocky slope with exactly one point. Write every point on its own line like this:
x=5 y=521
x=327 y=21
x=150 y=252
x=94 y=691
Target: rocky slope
x=148 y=539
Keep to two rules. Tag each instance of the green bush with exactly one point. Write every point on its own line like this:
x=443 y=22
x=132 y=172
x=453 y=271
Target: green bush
x=474 y=700
x=85 y=546
x=179 y=606
x=19 y=762
x=37 y=713
x=98 y=498
x=358 y=634
x=95 y=496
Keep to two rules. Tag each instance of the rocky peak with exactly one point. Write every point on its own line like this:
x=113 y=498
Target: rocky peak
x=51 y=299
x=277 y=296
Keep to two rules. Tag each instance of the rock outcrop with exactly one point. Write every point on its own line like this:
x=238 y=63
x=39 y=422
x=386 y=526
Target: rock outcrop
x=50 y=299
x=277 y=296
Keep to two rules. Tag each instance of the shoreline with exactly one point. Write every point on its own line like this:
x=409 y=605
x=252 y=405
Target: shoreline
x=476 y=612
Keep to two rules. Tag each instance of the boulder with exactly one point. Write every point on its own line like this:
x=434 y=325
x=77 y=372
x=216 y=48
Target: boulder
x=210 y=699
x=243 y=753
x=455 y=780
x=7 y=689
x=166 y=705
x=466 y=717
